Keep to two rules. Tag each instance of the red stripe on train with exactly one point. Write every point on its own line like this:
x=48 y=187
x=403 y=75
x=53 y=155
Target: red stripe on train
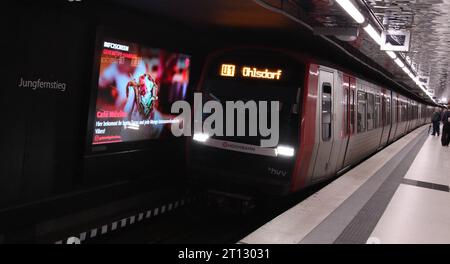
x=307 y=127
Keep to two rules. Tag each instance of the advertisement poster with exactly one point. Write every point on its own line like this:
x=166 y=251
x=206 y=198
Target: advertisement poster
x=136 y=88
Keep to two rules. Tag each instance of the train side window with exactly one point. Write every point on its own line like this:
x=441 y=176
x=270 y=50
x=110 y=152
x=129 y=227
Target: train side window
x=405 y=111
x=326 y=111
x=352 y=111
x=361 y=119
x=370 y=111
x=345 y=102
x=408 y=111
x=388 y=111
x=346 y=111
x=377 y=115
x=383 y=111
x=295 y=107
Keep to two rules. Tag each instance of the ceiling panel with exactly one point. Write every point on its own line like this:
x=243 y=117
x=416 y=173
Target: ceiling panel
x=429 y=22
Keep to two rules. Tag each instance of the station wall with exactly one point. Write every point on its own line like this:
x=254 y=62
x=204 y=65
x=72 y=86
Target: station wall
x=44 y=130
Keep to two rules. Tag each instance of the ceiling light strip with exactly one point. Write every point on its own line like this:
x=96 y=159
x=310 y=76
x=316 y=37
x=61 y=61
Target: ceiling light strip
x=353 y=11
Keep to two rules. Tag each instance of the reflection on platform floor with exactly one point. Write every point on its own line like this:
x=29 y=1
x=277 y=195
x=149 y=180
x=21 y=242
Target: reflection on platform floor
x=400 y=195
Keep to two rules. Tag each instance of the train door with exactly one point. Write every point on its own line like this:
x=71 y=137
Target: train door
x=389 y=120
x=323 y=166
x=343 y=133
x=419 y=114
x=349 y=120
x=405 y=116
x=382 y=123
x=395 y=115
x=408 y=115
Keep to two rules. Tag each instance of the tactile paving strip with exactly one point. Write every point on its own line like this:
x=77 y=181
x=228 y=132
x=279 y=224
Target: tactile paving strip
x=331 y=228
x=360 y=228
x=429 y=185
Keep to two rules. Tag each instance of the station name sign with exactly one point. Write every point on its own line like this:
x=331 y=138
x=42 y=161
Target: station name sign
x=229 y=70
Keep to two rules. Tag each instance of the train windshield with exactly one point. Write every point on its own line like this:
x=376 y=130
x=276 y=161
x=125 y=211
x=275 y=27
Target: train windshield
x=259 y=79
x=235 y=90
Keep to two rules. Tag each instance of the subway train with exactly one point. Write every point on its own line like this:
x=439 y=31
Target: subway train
x=330 y=120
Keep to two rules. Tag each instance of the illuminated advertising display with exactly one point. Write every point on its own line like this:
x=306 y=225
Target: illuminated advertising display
x=135 y=90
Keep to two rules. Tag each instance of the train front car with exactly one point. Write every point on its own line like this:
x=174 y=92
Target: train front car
x=261 y=160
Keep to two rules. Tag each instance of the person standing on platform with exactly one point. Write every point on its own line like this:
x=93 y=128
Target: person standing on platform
x=446 y=131
x=436 y=119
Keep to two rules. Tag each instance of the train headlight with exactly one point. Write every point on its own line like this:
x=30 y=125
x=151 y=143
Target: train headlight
x=201 y=137
x=284 y=151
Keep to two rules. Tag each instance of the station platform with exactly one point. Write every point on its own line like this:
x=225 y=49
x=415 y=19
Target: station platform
x=399 y=195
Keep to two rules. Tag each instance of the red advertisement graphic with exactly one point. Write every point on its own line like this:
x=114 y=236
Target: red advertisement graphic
x=136 y=88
